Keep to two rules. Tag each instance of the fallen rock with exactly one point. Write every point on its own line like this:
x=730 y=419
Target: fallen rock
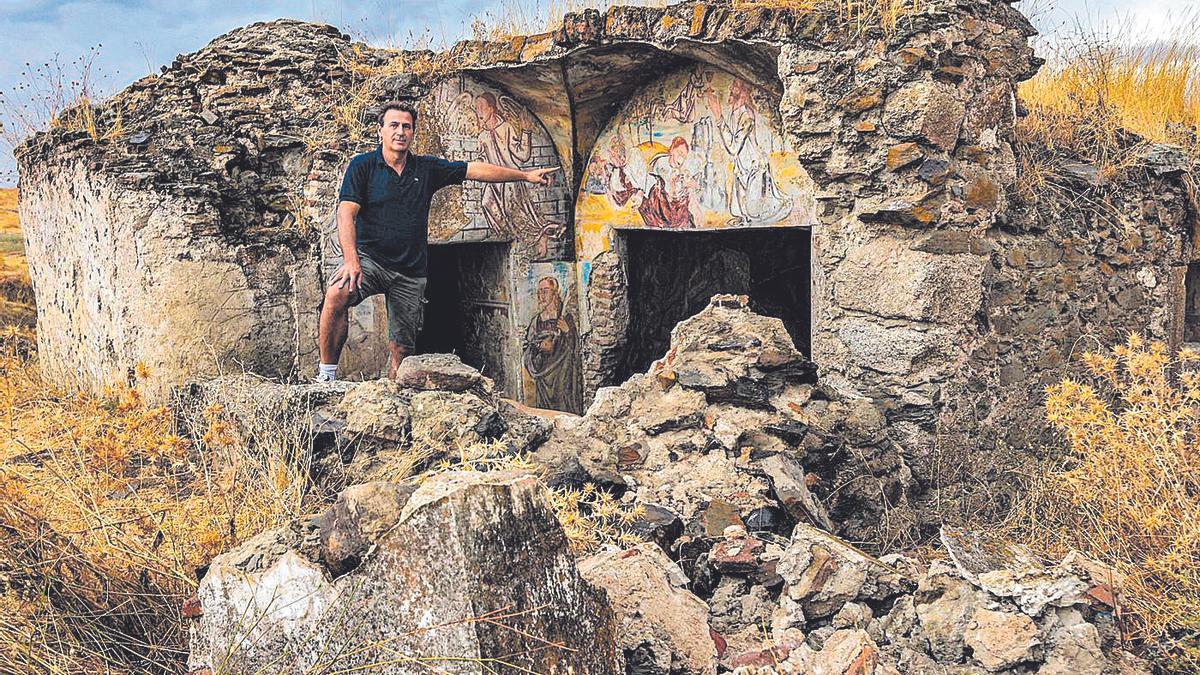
x=466 y=546
x=822 y=573
x=662 y=627
x=376 y=409
x=845 y=652
x=732 y=354
x=445 y=372
x=944 y=604
x=1073 y=646
x=446 y=421
x=788 y=484
x=1009 y=571
x=1000 y=640
x=360 y=516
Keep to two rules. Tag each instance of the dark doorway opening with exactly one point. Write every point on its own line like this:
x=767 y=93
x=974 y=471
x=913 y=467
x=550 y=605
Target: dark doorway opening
x=672 y=275
x=469 y=309
x=1191 y=307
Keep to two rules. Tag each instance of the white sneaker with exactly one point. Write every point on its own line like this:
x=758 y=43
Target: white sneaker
x=324 y=377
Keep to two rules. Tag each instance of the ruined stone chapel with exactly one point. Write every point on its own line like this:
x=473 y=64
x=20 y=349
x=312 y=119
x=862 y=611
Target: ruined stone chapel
x=861 y=186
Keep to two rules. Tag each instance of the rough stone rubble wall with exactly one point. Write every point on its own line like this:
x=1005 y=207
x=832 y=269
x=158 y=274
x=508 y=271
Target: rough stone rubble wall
x=1059 y=280
x=938 y=289
x=183 y=244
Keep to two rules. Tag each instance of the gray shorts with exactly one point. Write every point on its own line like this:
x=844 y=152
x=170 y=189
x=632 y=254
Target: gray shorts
x=405 y=300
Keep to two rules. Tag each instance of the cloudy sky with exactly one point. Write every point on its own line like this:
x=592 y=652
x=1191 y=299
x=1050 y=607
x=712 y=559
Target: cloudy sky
x=134 y=37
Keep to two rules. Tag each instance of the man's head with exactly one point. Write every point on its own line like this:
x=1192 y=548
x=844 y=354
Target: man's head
x=547 y=294
x=740 y=94
x=678 y=152
x=397 y=124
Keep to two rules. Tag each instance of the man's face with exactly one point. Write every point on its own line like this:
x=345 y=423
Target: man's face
x=546 y=295
x=678 y=154
x=397 y=131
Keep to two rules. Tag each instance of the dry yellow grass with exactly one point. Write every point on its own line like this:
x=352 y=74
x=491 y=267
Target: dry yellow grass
x=1099 y=100
x=105 y=512
x=515 y=17
x=1128 y=493
x=16 y=295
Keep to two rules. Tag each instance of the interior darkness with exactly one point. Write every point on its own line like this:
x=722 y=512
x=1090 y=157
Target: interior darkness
x=468 y=308
x=1191 y=311
x=672 y=275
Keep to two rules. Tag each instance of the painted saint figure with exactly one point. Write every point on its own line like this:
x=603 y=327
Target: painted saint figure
x=550 y=345
x=670 y=202
x=755 y=198
x=510 y=211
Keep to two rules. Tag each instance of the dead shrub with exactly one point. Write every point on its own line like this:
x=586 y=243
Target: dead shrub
x=1128 y=491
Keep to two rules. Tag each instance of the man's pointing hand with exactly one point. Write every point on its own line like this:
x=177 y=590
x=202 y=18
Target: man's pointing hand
x=540 y=176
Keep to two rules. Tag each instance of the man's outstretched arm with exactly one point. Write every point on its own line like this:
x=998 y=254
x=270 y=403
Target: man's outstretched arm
x=494 y=173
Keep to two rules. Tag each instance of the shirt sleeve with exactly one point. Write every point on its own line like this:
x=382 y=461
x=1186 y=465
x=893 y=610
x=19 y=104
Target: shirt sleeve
x=354 y=183
x=445 y=172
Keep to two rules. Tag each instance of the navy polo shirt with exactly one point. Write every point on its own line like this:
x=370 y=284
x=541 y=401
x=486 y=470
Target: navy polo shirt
x=392 y=227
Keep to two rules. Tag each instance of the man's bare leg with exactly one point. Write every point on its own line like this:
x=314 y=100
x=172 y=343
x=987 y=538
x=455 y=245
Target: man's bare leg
x=398 y=354
x=335 y=323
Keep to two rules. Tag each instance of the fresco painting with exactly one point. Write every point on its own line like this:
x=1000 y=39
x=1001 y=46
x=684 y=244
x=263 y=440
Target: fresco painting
x=466 y=119
x=698 y=149
x=549 y=334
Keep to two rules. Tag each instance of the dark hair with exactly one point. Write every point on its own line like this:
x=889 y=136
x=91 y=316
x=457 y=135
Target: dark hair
x=403 y=106
x=489 y=97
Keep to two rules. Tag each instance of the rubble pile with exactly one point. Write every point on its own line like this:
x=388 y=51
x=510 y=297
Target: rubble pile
x=752 y=479
x=731 y=427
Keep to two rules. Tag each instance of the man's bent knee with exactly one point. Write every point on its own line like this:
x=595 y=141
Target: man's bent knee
x=337 y=298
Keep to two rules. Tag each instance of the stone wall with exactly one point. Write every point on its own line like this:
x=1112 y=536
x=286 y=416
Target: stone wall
x=1058 y=281
x=183 y=244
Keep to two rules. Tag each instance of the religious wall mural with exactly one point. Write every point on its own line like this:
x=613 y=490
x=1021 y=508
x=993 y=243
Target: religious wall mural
x=698 y=149
x=549 y=334
x=466 y=119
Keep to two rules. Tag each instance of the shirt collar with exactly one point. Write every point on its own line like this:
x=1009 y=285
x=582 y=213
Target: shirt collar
x=379 y=158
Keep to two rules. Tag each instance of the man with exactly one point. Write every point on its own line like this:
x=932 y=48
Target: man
x=383 y=227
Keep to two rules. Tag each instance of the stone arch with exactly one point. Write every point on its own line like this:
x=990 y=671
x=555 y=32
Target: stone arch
x=696 y=149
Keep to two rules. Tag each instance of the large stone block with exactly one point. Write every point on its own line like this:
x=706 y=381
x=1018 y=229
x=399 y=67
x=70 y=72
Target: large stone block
x=473 y=571
x=888 y=278
x=663 y=626
x=927 y=110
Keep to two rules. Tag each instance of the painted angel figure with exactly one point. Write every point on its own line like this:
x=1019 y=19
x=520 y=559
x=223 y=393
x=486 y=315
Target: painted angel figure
x=755 y=198
x=510 y=208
